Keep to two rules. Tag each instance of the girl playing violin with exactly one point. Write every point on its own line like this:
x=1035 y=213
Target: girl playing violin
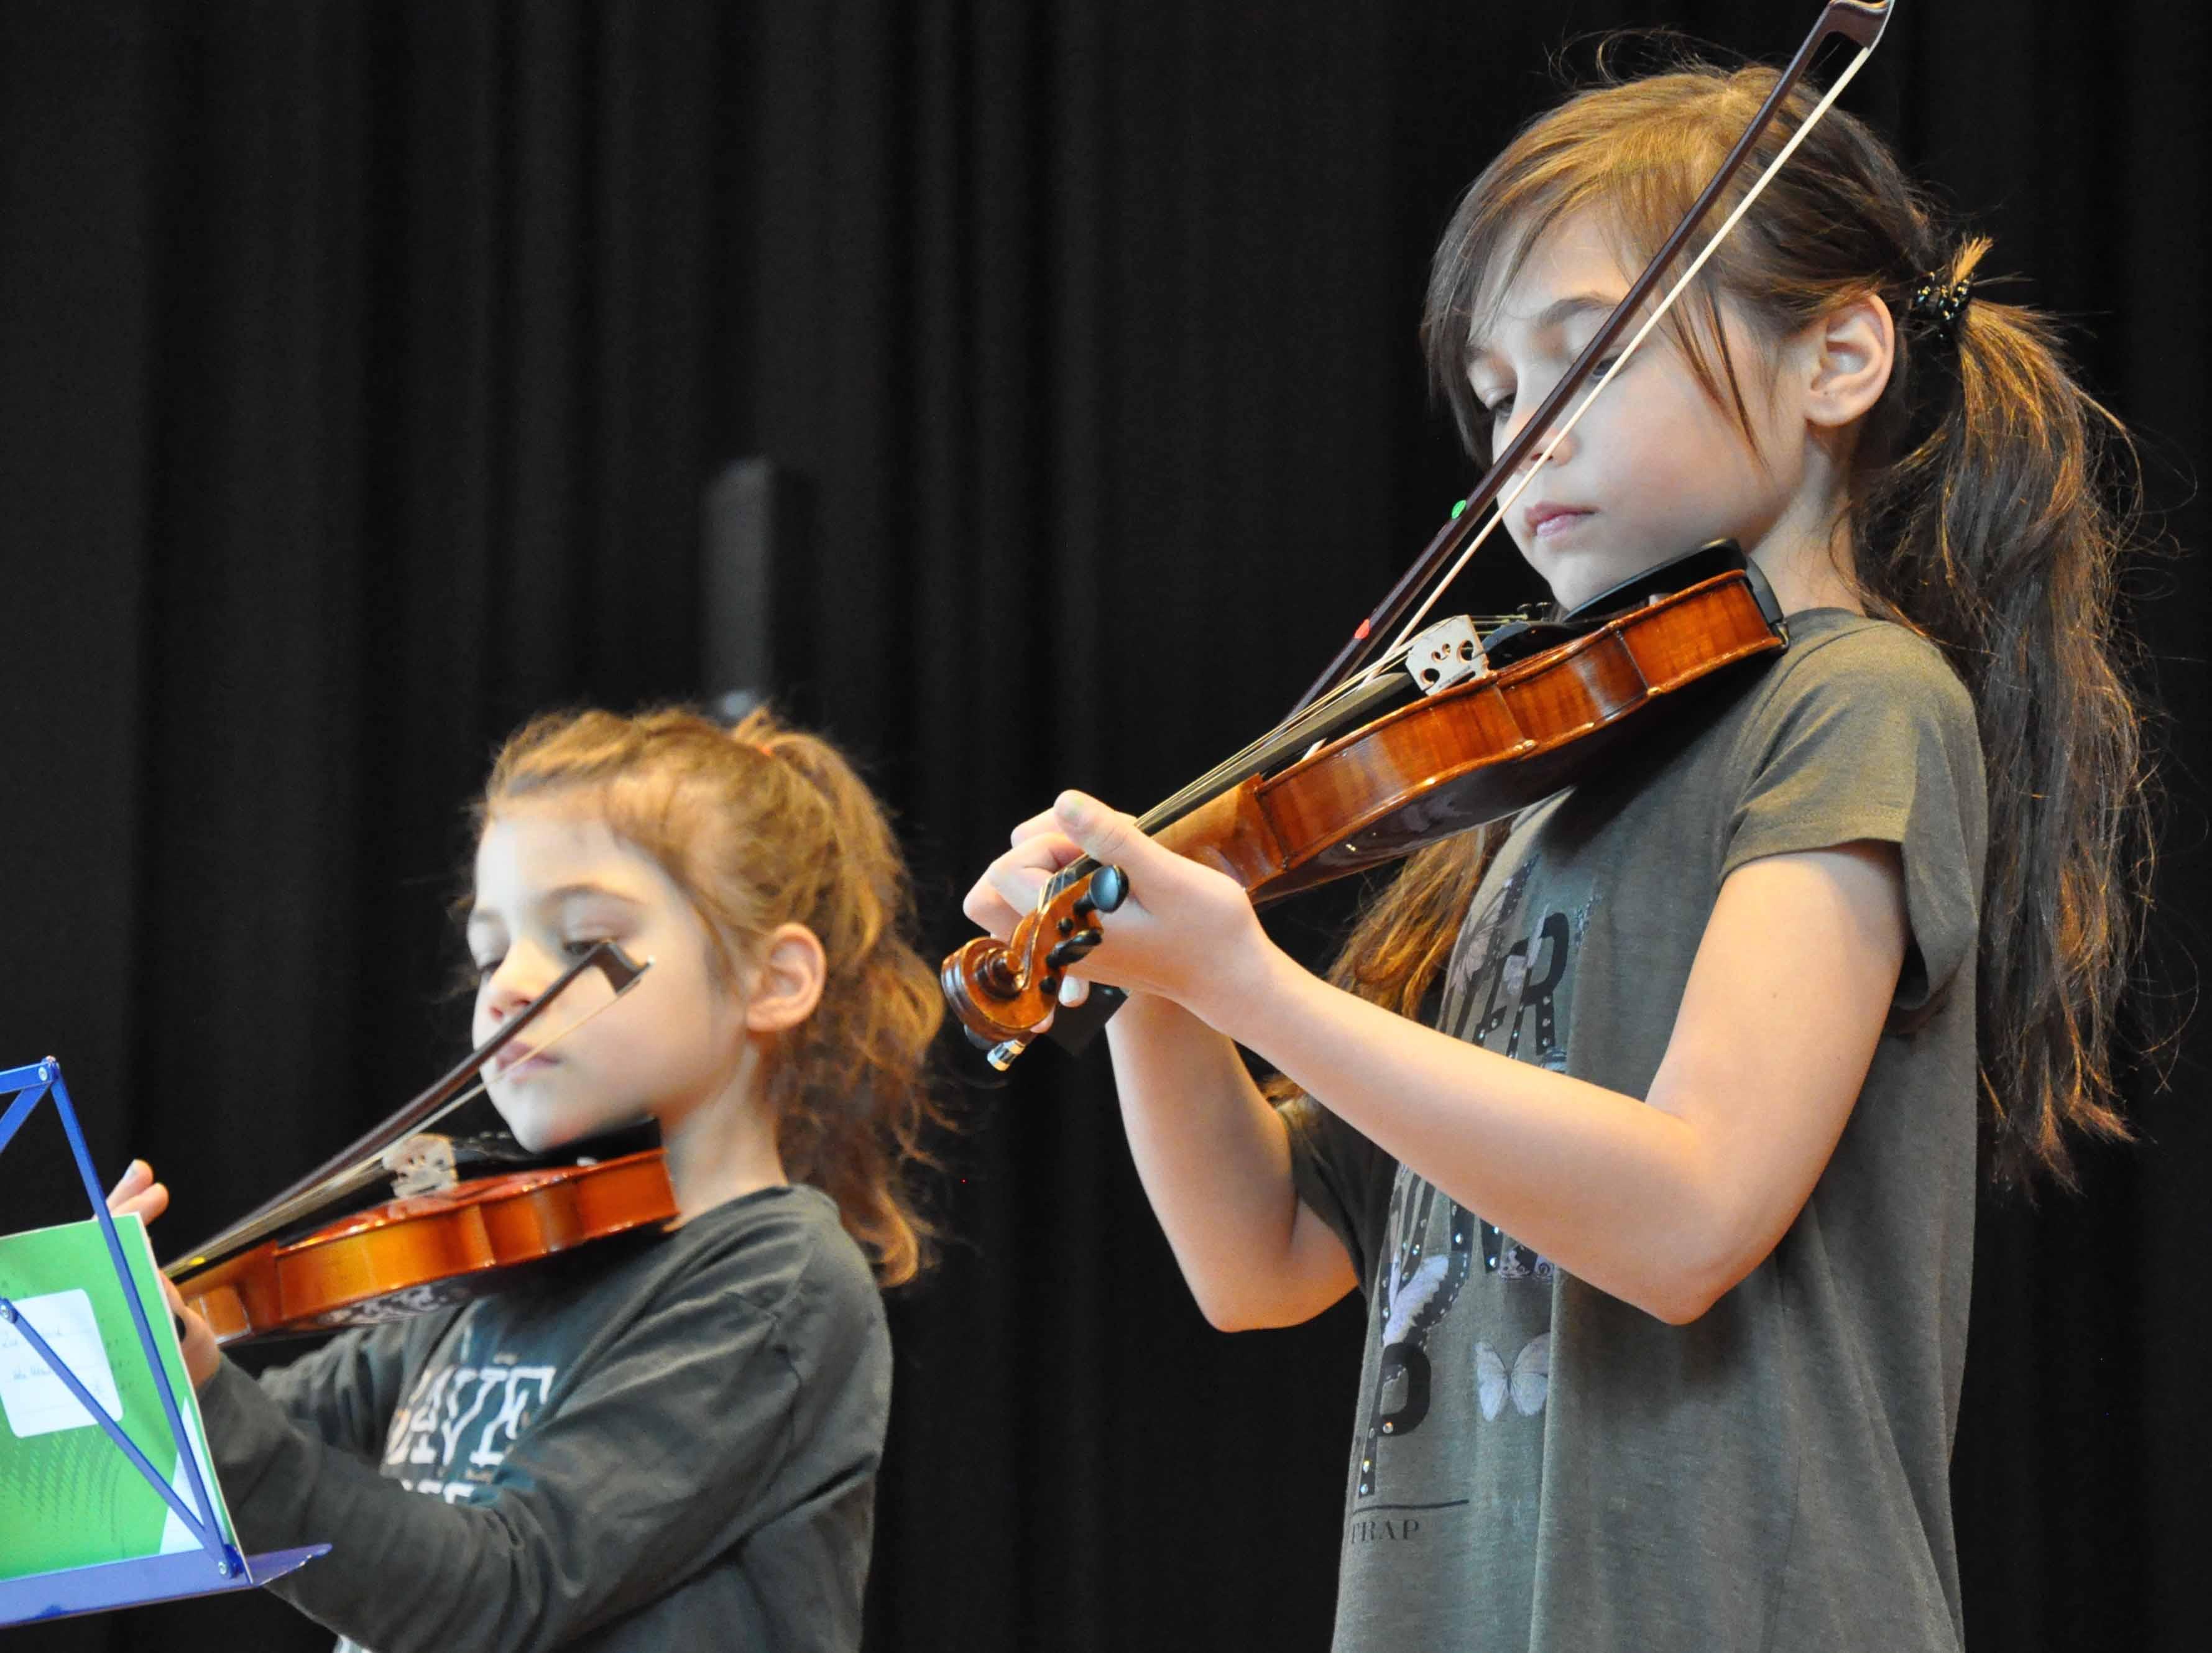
x=1649 y=1127
x=674 y=1445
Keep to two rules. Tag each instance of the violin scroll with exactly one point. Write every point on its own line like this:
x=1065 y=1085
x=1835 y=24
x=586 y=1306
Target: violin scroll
x=1002 y=990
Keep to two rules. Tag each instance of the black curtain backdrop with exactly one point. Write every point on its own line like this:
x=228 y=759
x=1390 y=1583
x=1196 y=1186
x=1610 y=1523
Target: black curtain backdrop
x=361 y=371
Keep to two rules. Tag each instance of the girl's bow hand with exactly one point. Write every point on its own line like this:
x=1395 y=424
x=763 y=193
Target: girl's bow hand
x=1186 y=932
x=137 y=1194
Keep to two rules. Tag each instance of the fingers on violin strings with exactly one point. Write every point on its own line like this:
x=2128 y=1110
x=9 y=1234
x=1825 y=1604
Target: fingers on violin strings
x=984 y=909
x=988 y=906
x=1102 y=834
x=1020 y=875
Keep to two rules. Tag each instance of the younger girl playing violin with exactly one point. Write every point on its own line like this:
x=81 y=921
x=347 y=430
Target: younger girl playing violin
x=675 y=1446
x=1650 y=1128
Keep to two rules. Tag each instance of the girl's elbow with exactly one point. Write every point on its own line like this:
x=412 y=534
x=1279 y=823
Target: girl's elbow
x=1217 y=1302
x=1679 y=1305
x=1255 y=1302
x=1671 y=1297
x=1235 y=1311
x=1689 y=1291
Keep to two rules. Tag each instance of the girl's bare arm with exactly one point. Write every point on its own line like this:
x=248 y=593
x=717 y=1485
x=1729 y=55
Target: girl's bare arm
x=1215 y=1160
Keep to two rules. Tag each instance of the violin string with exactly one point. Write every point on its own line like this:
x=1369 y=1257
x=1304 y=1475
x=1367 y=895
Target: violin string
x=1712 y=245
x=1313 y=717
x=1239 y=764
x=1496 y=516
x=1209 y=784
x=1201 y=790
x=340 y=1183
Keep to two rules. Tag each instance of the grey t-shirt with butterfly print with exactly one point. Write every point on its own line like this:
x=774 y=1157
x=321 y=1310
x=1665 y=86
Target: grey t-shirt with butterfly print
x=1536 y=1465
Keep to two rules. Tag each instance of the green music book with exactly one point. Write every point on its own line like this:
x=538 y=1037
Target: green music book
x=68 y=1497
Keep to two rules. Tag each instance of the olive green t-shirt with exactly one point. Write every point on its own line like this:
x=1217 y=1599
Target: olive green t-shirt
x=1537 y=1464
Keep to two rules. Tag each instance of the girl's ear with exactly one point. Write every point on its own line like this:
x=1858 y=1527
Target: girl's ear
x=786 y=980
x=1847 y=356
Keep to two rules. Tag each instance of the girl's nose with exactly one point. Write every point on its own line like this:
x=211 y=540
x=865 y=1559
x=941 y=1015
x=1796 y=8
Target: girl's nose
x=518 y=980
x=1560 y=455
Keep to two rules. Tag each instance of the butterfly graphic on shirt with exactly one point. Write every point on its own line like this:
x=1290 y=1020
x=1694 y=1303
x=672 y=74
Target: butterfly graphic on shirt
x=1526 y=1382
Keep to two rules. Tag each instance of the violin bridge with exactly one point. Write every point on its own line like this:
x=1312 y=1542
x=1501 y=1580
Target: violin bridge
x=1448 y=652
x=421 y=1164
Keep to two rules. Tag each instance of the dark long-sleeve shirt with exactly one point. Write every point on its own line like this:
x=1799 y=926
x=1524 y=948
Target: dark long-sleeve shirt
x=675 y=1447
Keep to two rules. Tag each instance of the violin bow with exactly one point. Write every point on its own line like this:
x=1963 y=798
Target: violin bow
x=339 y=1174
x=1863 y=21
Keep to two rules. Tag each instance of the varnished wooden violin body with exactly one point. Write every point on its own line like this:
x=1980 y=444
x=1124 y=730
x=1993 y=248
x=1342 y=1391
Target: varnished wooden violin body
x=1482 y=749
x=428 y=1250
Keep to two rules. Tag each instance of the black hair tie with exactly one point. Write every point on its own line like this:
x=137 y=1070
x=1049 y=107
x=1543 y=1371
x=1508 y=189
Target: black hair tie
x=1933 y=301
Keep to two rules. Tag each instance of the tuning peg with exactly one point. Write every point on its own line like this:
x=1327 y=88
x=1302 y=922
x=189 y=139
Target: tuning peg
x=1073 y=948
x=1109 y=888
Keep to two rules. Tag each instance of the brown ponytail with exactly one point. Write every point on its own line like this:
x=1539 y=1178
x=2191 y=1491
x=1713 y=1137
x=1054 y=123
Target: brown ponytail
x=763 y=825
x=1995 y=535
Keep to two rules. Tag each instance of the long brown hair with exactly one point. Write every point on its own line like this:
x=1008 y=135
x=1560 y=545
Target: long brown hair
x=763 y=825
x=1986 y=514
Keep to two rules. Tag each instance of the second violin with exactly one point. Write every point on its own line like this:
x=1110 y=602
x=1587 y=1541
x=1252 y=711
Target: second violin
x=428 y=1250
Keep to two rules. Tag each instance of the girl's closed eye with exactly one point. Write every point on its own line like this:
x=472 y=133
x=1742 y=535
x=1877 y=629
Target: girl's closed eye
x=1498 y=405
x=1599 y=369
x=576 y=947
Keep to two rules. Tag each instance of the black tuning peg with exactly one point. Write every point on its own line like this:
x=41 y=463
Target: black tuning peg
x=1109 y=888
x=1073 y=948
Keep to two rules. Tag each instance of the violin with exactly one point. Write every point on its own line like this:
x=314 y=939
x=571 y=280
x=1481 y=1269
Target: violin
x=1488 y=741
x=428 y=1251
x=1450 y=729
x=443 y=1241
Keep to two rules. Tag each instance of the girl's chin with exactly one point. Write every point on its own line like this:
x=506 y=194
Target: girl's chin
x=1574 y=577
x=1576 y=574
x=540 y=1128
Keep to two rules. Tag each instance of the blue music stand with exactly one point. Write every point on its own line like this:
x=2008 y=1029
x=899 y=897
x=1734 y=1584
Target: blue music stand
x=215 y=1565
